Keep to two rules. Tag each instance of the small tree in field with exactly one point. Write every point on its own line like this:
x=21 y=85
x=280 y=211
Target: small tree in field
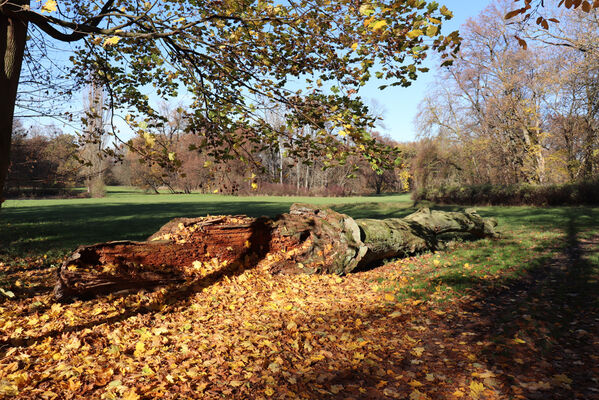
x=227 y=54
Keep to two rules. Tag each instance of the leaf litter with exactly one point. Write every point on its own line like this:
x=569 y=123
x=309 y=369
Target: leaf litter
x=263 y=336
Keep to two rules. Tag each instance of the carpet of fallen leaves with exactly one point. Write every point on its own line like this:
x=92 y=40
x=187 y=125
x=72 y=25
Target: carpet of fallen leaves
x=253 y=335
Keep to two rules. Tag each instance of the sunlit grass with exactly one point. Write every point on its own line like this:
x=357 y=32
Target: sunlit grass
x=530 y=238
x=57 y=226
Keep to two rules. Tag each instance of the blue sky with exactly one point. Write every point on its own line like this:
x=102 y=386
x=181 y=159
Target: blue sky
x=401 y=104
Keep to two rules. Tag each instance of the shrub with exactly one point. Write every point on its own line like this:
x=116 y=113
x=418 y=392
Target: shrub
x=582 y=193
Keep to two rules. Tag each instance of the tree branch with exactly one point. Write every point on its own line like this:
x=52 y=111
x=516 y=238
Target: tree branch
x=44 y=22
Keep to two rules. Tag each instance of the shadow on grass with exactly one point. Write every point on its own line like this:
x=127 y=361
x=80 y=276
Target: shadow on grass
x=536 y=328
x=33 y=231
x=545 y=323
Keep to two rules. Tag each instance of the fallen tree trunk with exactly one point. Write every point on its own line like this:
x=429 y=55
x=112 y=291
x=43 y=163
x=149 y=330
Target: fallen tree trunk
x=305 y=240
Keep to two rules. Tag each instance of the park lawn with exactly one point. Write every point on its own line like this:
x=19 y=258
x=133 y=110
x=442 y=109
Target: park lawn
x=513 y=317
x=57 y=226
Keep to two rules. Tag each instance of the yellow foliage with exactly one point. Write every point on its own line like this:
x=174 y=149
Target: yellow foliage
x=415 y=33
x=111 y=41
x=49 y=6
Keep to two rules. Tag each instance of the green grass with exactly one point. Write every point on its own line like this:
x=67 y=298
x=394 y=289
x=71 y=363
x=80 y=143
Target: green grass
x=530 y=238
x=56 y=226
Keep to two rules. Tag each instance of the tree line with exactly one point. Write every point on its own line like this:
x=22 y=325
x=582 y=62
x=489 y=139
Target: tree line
x=45 y=161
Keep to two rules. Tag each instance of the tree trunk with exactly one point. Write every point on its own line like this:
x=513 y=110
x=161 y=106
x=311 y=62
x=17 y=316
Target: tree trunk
x=305 y=240
x=13 y=35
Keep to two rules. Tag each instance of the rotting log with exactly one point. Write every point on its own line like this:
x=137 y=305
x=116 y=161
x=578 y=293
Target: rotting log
x=306 y=240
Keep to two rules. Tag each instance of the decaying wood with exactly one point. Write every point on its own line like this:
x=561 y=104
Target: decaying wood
x=305 y=240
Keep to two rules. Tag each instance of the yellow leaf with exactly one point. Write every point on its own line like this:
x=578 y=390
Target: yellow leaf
x=389 y=297
x=519 y=341
x=418 y=395
x=215 y=191
x=413 y=34
x=378 y=25
x=140 y=348
x=150 y=139
x=111 y=41
x=291 y=326
x=131 y=395
x=269 y=392
x=431 y=31
x=236 y=383
x=418 y=351
x=8 y=388
x=476 y=388
x=366 y=9
x=445 y=12
x=49 y=6
x=146 y=370
x=172 y=156
x=354 y=46
x=254 y=185
x=207 y=164
x=543 y=385
x=336 y=389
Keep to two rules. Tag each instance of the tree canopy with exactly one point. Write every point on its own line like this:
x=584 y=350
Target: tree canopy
x=234 y=58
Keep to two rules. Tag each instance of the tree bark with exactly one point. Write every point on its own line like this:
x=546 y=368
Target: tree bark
x=13 y=36
x=306 y=240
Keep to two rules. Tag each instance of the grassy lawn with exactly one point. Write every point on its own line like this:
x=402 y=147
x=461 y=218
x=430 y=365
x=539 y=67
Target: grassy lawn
x=512 y=317
x=55 y=226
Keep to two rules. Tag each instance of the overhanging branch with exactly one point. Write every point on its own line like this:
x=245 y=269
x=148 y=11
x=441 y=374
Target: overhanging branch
x=44 y=22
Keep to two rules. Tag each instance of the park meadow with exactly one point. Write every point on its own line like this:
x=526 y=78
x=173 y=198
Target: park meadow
x=508 y=317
